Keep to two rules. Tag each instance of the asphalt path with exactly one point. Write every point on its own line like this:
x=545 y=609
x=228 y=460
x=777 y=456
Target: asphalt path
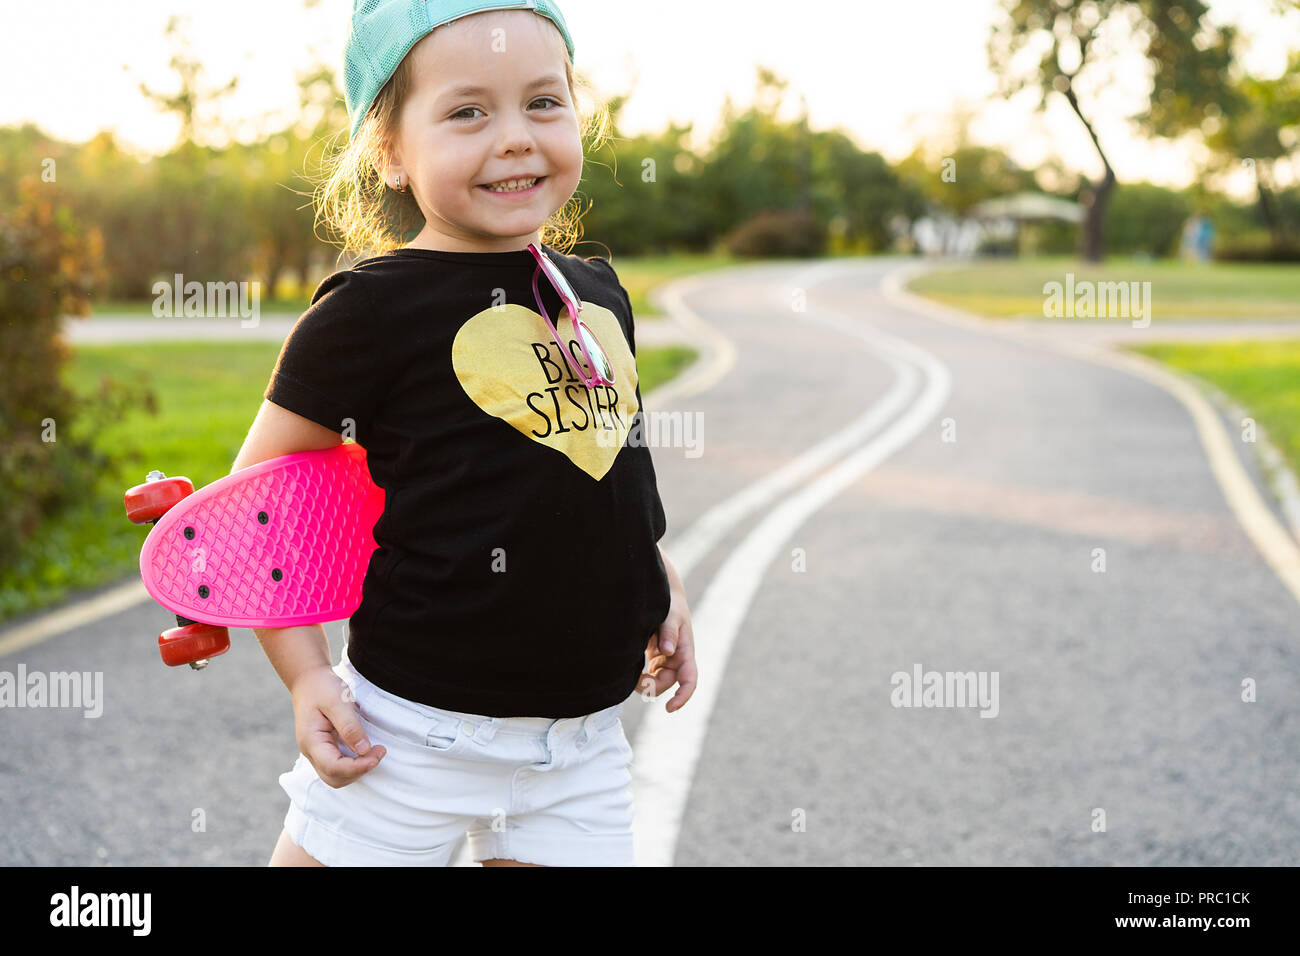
x=971 y=545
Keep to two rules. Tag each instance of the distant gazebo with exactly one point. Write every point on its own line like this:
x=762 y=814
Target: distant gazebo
x=1006 y=216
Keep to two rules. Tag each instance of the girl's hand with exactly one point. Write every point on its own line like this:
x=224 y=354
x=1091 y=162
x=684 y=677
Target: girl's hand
x=324 y=713
x=671 y=653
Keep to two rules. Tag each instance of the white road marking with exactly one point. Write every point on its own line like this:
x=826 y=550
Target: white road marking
x=687 y=549
x=668 y=746
x=717 y=353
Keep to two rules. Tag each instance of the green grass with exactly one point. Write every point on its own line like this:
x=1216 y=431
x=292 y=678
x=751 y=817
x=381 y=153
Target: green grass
x=207 y=397
x=208 y=394
x=654 y=366
x=1179 y=290
x=1262 y=376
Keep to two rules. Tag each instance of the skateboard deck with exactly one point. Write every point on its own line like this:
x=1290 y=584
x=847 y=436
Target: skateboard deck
x=284 y=542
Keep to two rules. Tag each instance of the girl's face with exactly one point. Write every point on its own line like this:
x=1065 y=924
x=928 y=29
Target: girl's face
x=489 y=103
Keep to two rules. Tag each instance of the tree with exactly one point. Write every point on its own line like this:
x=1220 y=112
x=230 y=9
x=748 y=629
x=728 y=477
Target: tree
x=49 y=457
x=859 y=192
x=187 y=99
x=279 y=174
x=756 y=162
x=957 y=179
x=1189 y=63
x=1259 y=128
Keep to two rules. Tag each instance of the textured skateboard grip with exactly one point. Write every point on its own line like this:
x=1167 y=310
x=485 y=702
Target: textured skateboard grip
x=320 y=509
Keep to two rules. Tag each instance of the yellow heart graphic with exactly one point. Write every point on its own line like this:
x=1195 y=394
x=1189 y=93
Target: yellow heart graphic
x=511 y=367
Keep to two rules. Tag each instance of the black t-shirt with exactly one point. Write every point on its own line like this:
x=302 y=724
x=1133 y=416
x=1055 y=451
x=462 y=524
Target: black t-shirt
x=518 y=572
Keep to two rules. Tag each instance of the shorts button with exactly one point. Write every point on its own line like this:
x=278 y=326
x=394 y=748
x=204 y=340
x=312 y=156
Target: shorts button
x=467 y=727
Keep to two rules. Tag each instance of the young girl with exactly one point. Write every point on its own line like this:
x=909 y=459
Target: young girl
x=518 y=592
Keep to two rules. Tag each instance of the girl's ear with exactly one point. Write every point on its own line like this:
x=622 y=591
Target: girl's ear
x=385 y=157
x=387 y=166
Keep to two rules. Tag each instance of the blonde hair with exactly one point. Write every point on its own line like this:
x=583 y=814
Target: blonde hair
x=365 y=216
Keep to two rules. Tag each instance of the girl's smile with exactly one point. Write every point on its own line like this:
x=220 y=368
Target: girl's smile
x=516 y=194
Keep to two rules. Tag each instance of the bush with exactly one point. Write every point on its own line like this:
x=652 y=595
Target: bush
x=1258 y=249
x=48 y=268
x=777 y=233
x=1143 y=217
x=1049 y=237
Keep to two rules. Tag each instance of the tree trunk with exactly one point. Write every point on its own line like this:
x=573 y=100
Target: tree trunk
x=1094 y=221
x=1267 y=208
x=273 y=270
x=304 y=272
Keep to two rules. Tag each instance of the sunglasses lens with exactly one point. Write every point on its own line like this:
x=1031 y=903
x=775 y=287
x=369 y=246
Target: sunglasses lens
x=557 y=278
x=595 y=351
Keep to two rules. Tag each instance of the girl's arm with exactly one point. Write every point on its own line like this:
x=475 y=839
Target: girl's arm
x=293 y=651
x=671 y=650
x=674 y=582
x=277 y=431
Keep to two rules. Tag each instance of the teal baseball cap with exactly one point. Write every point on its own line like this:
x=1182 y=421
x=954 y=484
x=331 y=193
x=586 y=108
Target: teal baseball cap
x=383 y=31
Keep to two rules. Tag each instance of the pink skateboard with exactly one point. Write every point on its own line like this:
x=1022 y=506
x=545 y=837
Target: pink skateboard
x=286 y=541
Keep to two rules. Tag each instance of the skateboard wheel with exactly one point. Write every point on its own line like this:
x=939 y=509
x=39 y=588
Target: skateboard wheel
x=191 y=643
x=153 y=499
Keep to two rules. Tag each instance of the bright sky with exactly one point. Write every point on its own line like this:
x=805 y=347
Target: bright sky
x=887 y=73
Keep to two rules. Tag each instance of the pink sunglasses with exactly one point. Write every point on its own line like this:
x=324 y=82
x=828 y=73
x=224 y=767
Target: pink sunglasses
x=603 y=371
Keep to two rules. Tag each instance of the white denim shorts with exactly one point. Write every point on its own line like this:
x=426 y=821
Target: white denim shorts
x=532 y=789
